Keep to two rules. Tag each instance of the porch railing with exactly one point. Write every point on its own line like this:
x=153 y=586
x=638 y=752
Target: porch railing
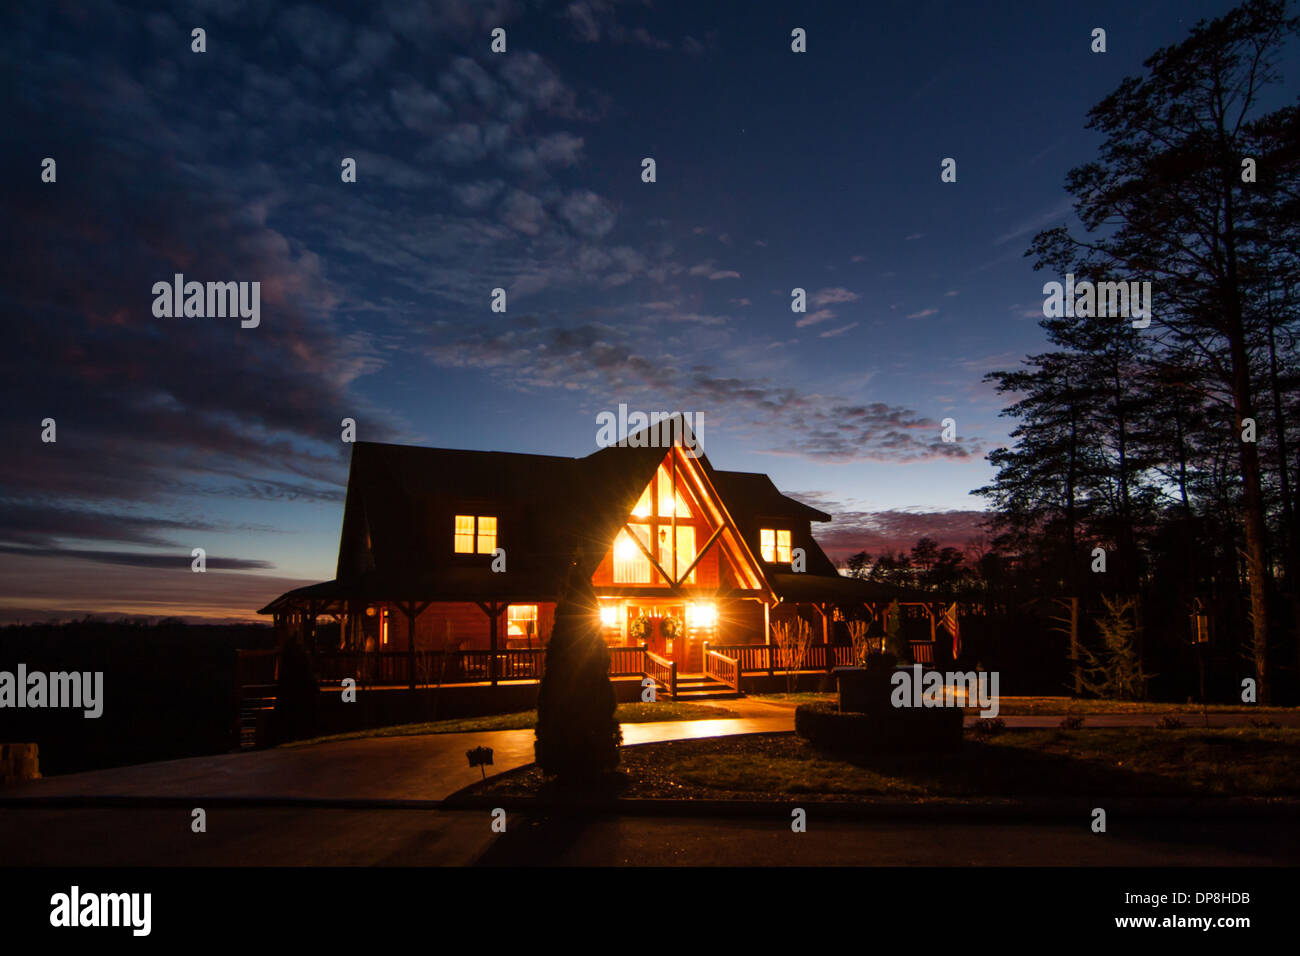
x=663 y=672
x=627 y=661
x=456 y=667
x=722 y=668
x=477 y=666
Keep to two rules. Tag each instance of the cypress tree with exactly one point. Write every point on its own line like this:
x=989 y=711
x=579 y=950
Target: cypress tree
x=578 y=736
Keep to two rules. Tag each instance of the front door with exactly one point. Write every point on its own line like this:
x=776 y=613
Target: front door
x=665 y=631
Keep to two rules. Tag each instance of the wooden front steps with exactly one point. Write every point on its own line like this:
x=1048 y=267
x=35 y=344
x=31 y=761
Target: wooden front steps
x=696 y=688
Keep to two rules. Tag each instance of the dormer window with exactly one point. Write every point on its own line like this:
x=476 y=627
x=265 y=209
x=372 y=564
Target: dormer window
x=476 y=534
x=774 y=543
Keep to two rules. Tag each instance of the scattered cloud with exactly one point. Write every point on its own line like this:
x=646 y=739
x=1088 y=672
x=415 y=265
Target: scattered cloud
x=813 y=318
x=833 y=295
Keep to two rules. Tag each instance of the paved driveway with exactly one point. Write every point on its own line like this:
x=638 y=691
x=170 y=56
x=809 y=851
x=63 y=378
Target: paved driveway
x=431 y=767
x=397 y=769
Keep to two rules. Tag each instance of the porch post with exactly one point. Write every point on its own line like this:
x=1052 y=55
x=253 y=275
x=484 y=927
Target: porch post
x=824 y=611
x=767 y=636
x=410 y=643
x=494 y=616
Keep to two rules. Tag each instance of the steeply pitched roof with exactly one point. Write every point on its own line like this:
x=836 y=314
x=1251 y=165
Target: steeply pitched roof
x=754 y=494
x=552 y=512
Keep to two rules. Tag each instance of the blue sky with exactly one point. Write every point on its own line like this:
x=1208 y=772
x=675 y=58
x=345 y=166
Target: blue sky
x=522 y=171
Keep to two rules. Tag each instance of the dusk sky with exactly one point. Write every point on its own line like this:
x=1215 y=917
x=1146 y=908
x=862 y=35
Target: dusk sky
x=520 y=170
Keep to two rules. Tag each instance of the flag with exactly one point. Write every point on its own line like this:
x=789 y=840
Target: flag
x=950 y=622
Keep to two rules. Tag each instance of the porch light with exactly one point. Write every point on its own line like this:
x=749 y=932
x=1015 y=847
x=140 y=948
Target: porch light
x=701 y=615
x=609 y=616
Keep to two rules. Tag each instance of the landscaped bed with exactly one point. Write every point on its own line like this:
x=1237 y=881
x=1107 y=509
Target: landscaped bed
x=638 y=713
x=1125 y=763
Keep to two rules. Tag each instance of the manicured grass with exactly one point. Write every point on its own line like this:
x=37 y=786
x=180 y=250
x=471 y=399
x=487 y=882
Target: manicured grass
x=1031 y=706
x=638 y=713
x=798 y=697
x=1063 y=706
x=1086 y=764
x=1128 y=762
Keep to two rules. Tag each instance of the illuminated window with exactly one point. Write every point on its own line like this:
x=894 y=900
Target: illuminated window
x=666 y=497
x=383 y=626
x=685 y=550
x=464 y=534
x=521 y=620
x=487 y=536
x=660 y=506
x=630 y=564
x=472 y=527
x=774 y=543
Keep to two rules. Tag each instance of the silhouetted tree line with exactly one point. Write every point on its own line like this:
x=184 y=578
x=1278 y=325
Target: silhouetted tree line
x=927 y=567
x=1174 y=448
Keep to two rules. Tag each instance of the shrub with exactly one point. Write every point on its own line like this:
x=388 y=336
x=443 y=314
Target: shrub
x=896 y=642
x=1116 y=671
x=792 y=641
x=986 y=727
x=891 y=730
x=578 y=736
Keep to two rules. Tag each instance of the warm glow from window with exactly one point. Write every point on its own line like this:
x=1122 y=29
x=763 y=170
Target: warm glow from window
x=476 y=533
x=774 y=543
x=487 y=535
x=464 y=534
x=519 y=617
x=642 y=509
x=685 y=552
x=666 y=497
x=609 y=615
x=383 y=627
x=701 y=615
x=659 y=508
x=630 y=565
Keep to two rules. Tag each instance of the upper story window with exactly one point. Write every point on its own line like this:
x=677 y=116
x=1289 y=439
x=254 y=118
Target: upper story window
x=476 y=534
x=664 y=521
x=774 y=543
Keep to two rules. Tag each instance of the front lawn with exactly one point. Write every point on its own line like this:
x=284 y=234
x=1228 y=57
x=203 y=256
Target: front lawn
x=1063 y=706
x=1087 y=764
x=636 y=713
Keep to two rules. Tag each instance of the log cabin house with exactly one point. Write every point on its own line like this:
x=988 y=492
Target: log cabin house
x=451 y=562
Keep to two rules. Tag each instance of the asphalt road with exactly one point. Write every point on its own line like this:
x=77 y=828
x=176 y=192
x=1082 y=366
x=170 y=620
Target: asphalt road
x=336 y=837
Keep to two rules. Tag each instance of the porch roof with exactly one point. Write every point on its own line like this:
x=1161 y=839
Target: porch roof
x=452 y=584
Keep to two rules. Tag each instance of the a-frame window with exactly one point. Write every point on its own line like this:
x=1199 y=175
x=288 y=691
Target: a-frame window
x=664 y=521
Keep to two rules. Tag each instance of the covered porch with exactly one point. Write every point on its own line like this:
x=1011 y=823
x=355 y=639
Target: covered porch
x=359 y=633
